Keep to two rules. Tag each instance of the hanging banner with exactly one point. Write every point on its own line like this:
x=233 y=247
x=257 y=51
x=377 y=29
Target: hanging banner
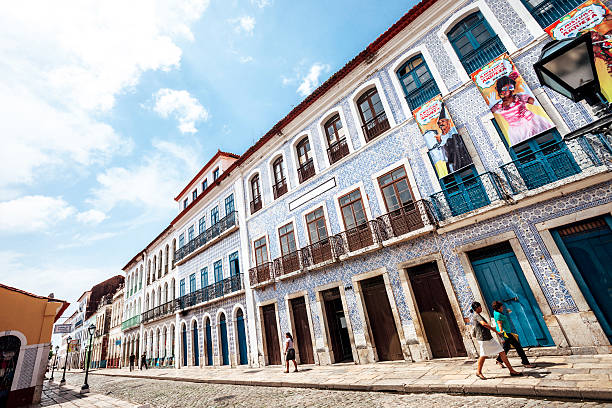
x=446 y=148
x=73 y=345
x=593 y=16
x=517 y=112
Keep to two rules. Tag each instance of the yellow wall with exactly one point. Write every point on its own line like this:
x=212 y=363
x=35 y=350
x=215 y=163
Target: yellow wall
x=31 y=316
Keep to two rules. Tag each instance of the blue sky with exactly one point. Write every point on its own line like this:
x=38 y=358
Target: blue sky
x=109 y=108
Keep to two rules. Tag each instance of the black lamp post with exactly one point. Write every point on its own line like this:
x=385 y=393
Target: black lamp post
x=91 y=330
x=63 y=381
x=568 y=67
x=54 y=361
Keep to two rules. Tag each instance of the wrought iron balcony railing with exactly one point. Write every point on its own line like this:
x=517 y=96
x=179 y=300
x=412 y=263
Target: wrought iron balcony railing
x=410 y=217
x=306 y=170
x=256 y=204
x=287 y=263
x=489 y=50
x=549 y=11
x=376 y=126
x=354 y=239
x=317 y=253
x=131 y=322
x=280 y=188
x=159 y=311
x=337 y=150
x=211 y=233
x=422 y=94
x=261 y=273
x=210 y=292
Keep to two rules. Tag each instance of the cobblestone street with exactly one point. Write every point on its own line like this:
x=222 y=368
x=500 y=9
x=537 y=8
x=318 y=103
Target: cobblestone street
x=160 y=393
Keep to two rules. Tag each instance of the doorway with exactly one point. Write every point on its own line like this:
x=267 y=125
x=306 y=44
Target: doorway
x=224 y=347
x=302 y=330
x=242 y=342
x=501 y=278
x=209 y=343
x=9 y=354
x=380 y=319
x=436 y=313
x=340 y=341
x=271 y=334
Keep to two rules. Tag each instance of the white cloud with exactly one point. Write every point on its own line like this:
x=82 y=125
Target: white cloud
x=244 y=24
x=246 y=60
x=91 y=217
x=63 y=65
x=181 y=105
x=33 y=213
x=83 y=240
x=261 y=3
x=311 y=80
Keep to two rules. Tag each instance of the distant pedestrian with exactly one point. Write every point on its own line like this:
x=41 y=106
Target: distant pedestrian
x=132 y=359
x=143 y=361
x=509 y=339
x=289 y=352
x=488 y=346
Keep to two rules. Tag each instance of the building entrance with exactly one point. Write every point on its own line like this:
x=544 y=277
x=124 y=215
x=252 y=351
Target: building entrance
x=302 y=330
x=340 y=342
x=271 y=335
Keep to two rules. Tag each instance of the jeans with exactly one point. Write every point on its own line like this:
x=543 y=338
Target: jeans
x=512 y=341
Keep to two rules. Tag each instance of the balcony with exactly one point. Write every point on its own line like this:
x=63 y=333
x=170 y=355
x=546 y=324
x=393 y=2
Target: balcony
x=549 y=11
x=306 y=170
x=280 y=188
x=405 y=220
x=211 y=292
x=261 y=273
x=467 y=195
x=376 y=126
x=422 y=94
x=354 y=239
x=288 y=263
x=159 y=311
x=256 y=204
x=337 y=150
x=317 y=253
x=489 y=50
x=207 y=236
x=131 y=322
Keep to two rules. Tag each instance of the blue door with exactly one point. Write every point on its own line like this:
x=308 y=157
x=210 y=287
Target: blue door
x=587 y=249
x=500 y=278
x=184 y=345
x=464 y=191
x=196 y=349
x=242 y=346
x=224 y=348
x=209 y=347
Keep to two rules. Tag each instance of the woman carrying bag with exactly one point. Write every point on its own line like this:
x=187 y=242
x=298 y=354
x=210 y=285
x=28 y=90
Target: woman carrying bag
x=509 y=339
x=488 y=346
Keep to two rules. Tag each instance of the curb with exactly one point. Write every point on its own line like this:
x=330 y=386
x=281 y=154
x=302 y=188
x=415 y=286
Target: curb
x=507 y=390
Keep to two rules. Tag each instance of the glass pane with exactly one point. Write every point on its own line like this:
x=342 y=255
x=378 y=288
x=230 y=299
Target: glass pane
x=321 y=229
x=463 y=46
x=399 y=173
x=364 y=107
x=409 y=83
x=403 y=191
x=349 y=220
x=480 y=33
x=360 y=217
x=390 y=198
x=378 y=108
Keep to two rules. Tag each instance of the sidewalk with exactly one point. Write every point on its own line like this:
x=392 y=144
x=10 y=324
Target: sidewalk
x=55 y=396
x=574 y=376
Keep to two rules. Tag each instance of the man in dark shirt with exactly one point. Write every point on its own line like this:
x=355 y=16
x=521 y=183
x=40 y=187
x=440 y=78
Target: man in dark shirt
x=132 y=359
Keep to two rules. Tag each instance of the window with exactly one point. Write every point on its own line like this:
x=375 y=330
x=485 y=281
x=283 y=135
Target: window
x=182 y=287
x=233 y=264
x=215 y=174
x=218 y=266
x=194 y=195
x=192 y=283
x=185 y=202
x=287 y=239
x=204 y=185
x=214 y=215
x=475 y=42
x=280 y=183
x=395 y=189
x=464 y=191
x=372 y=114
x=261 y=252
x=202 y=225
x=417 y=82
x=315 y=222
x=204 y=277
x=336 y=142
x=181 y=240
x=190 y=233
x=255 y=194
x=547 y=12
x=229 y=204
x=305 y=163
x=351 y=207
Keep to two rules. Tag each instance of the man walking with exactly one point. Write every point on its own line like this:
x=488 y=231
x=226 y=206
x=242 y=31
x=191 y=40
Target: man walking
x=143 y=361
x=132 y=358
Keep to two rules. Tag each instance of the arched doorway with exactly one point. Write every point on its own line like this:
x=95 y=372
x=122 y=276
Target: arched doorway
x=196 y=348
x=242 y=343
x=223 y=337
x=184 y=338
x=9 y=353
x=209 y=344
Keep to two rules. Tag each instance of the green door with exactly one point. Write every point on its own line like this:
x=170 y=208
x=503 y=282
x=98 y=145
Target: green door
x=500 y=278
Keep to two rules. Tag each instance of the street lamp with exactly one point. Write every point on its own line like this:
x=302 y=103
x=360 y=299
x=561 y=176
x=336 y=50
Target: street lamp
x=568 y=67
x=63 y=381
x=54 y=361
x=91 y=330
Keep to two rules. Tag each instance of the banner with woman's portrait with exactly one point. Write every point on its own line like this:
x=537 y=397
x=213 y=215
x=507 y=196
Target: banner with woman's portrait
x=517 y=112
x=446 y=148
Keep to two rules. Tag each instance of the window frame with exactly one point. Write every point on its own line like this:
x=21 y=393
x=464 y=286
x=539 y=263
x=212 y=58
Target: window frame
x=194 y=195
x=234 y=263
x=204 y=184
x=218 y=263
x=258 y=248
x=286 y=234
x=396 y=191
x=351 y=203
x=216 y=174
x=229 y=202
x=204 y=273
x=419 y=85
x=214 y=215
x=202 y=225
x=324 y=217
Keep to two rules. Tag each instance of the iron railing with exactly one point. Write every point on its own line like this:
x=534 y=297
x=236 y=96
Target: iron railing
x=422 y=94
x=211 y=233
x=317 y=253
x=159 y=311
x=406 y=219
x=306 y=170
x=489 y=50
x=261 y=273
x=337 y=150
x=376 y=126
x=549 y=11
x=256 y=204
x=467 y=195
x=131 y=322
x=210 y=292
x=287 y=263
x=354 y=239
x=280 y=188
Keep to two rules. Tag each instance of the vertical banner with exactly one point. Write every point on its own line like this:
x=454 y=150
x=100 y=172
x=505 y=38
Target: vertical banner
x=446 y=148
x=593 y=16
x=517 y=112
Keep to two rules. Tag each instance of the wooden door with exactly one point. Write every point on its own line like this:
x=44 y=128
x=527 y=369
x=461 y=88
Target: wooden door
x=380 y=317
x=340 y=341
x=302 y=330
x=436 y=314
x=271 y=333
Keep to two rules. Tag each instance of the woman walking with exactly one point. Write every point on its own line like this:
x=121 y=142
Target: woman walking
x=488 y=346
x=289 y=352
x=510 y=339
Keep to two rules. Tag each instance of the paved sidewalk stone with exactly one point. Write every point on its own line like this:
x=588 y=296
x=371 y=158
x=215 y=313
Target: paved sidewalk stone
x=56 y=396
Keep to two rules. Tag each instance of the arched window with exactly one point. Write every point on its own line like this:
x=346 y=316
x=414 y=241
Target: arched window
x=149 y=272
x=475 y=42
x=166 y=260
x=336 y=141
x=154 y=267
x=173 y=251
x=547 y=12
x=280 y=183
x=255 y=194
x=417 y=82
x=305 y=163
x=173 y=289
x=159 y=269
x=373 y=115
